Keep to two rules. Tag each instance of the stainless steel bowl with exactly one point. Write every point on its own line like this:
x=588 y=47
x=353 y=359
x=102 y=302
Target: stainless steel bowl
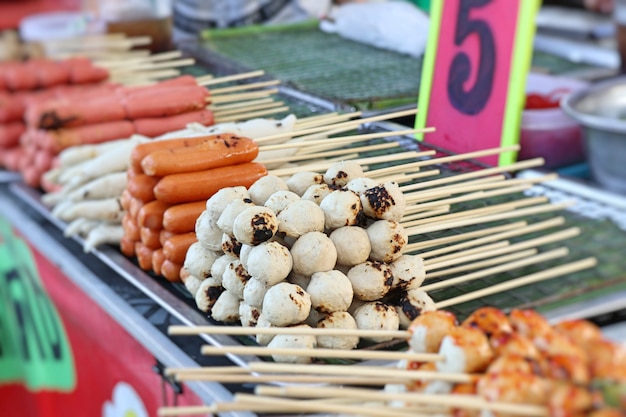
x=601 y=111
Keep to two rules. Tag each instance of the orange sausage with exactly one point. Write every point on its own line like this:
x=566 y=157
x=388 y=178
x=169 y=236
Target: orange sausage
x=171 y=270
x=135 y=205
x=126 y=199
x=156 y=126
x=144 y=256
x=164 y=235
x=131 y=230
x=32 y=176
x=127 y=246
x=162 y=102
x=175 y=248
x=143 y=149
x=10 y=134
x=194 y=186
x=132 y=172
x=150 y=237
x=61 y=139
x=151 y=215
x=221 y=150
x=181 y=218
x=158 y=257
x=142 y=187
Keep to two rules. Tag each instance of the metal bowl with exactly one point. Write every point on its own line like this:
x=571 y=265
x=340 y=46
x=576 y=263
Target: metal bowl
x=601 y=111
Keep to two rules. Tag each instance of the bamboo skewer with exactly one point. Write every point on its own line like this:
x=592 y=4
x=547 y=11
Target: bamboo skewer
x=204 y=81
x=467 y=214
x=228 y=98
x=557 y=221
x=406 y=177
x=320 y=353
x=450 y=259
x=250 y=115
x=295 y=158
x=118 y=63
x=498 y=260
x=327 y=120
x=301 y=331
x=152 y=66
x=238 y=105
x=346 y=125
x=518 y=282
x=244 y=87
x=532 y=260
x=546 y=208
x=527 y=244
x=247 y=109
x=462 y=236
x=531 y=163
x=300 y=379
x=458 y=401
x=481 y=184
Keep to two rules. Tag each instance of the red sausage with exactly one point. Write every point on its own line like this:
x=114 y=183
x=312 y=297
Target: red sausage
x=81 y=135
x=69 y=113
x=50 y=73
x=157 y=126
x=83 y=71
x=10 y=134
x=160 y=102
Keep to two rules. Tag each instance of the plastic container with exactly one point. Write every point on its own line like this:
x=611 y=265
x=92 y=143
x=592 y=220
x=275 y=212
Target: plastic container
x=550 y=133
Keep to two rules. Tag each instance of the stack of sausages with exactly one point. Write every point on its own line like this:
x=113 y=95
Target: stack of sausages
x=169 y=182
x=23 y=83
x=102 y=116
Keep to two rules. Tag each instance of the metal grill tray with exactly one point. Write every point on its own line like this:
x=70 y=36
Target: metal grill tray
x=601 y=239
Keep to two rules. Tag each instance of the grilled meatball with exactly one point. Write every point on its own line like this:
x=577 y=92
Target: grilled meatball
x=216 y=204
x=408 y=272
x=413 y=303
x=388 y=239
x=226 y=308
x=313 y=252
x=227 y=219
x=301 y=217
x=208 y=293
x=352 y=244
x=377 y=316
x=337 y=320
x=207 y=232
x=341 y=208
x=285 y=304
x=248 y=315
x=300 y=181
x=219 y=266
x=293 y=342
x=264 y=187
x=230 y=245
x=255 y=225
x=270 y=262
x=330 y=291
x=341 y=173
x=359 y=185
x=254 y=291
x=281 y=199
x=384 y=201
x=235 y=278
x=199 y=260
x=316 y=193
x=371 y=281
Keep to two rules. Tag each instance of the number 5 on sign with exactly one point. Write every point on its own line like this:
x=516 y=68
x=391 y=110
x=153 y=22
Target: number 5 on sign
x=473 y=79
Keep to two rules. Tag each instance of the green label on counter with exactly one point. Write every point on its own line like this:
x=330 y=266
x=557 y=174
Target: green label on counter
x=34 y=347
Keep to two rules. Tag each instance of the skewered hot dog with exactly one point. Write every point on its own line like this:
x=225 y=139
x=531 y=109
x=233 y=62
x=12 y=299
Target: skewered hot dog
x=175 y=248
x=181 y=218
x=163 y=102
x=156 y=126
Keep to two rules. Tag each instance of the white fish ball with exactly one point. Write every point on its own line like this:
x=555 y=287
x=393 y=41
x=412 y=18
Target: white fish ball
x=226 y=308
x=316 y=193
x=408 y=272
x=338 y=320
x=270 y=262
x=300 y=181
x=293 y=342
x=413 y=303
x=352 y=244
x=192 y=283
x=342 y=172
x=207 y=232
x=216 y=204
x=330 y=291
x=230 y=245
x=370 y=280
x=199 y=260
x=341 y=208
x=254 y=291
x=388 y=239
x=313 y=252
x=265 y=187
x=377 y=315
x=248 y=315
x=207 y=294
x=255 y=225
x=227 y=219
x=285 y=304
x=235 y=278
x=220 y=265
x=262 y=322
x=281 y=199
x=384 y=201
x=301 y=217
x=359 y=185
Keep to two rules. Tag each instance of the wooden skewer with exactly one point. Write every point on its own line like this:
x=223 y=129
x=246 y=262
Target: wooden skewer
x=347 y=125
x=146 y=75
x=518 y=282
x=531 y=163
x=230 y=106
x=250 y=115
x=462 y=236
x=294 y=158
x=228 y=98
x=244 y=87
x=362 y=371
x=151 y=66
x=406 y=177
x=429 y=213
x=363 y=161
x=328 y=120
x=557 y=221
x=118 y=63
x=337 y=141
x=495 y=208
x=236 y=77
x=302 y=331
x=300 y=379
x=252 y=107
x=320 y=353
x=546 y=208
x=498 y=260
x=480 y=184
x=458 y=401
x=464 y=254
x=532 y=260
x=220 y=370
x=527 y=244
x=317 y=117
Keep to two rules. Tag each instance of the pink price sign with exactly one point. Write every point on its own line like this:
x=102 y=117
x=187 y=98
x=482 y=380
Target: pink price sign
x=473 y=78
